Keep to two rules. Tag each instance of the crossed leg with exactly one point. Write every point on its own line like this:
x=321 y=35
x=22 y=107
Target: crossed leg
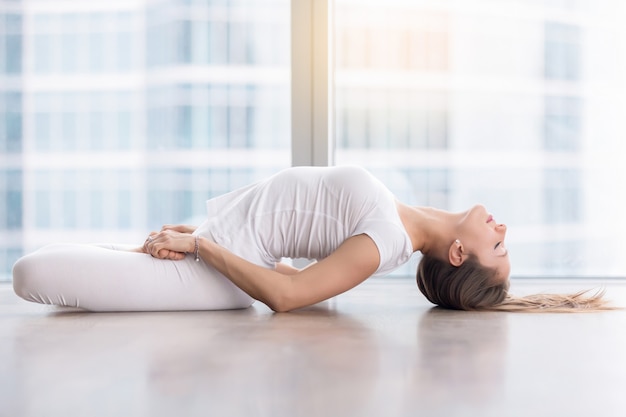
x=111 y=278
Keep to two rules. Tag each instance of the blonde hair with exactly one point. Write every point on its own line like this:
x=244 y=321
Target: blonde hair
x=472 y=286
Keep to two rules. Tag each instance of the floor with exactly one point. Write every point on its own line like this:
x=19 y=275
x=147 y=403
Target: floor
x=378 y=350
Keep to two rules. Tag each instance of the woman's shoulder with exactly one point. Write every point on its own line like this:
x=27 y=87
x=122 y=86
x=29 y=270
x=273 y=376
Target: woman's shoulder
x=338 y=171
x=354 y=178
x=351 y=171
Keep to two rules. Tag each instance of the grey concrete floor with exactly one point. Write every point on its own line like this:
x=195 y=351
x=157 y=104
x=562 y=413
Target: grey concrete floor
x=378 y=350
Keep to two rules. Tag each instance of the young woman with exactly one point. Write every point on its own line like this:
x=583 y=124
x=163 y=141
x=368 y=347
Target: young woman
x=342 y=217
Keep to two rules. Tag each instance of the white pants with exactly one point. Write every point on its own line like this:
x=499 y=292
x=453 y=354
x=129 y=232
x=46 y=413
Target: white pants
x=109 y=278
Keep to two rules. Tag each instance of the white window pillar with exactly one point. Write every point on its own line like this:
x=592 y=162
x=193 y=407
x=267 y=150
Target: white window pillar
x=312 y=127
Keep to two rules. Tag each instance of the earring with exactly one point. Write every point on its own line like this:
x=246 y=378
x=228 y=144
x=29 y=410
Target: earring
x=458 y=242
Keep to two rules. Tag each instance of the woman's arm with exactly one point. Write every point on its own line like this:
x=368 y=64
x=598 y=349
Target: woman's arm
x=353 y=262
x=182 y=228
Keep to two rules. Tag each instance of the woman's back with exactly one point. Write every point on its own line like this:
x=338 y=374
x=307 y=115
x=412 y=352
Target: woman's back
x=307 y=212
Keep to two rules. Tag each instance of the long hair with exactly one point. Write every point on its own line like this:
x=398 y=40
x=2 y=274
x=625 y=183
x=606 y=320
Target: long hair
x=472 y=286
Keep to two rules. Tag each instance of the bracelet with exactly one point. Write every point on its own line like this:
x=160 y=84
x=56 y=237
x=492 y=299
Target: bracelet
x=197 y=249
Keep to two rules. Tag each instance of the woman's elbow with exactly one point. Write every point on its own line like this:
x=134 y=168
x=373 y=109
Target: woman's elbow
x=281 y=300
x=279 y=309
x=279 y=304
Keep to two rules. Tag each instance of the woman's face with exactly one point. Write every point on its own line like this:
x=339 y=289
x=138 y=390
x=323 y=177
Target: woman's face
x=482 y=236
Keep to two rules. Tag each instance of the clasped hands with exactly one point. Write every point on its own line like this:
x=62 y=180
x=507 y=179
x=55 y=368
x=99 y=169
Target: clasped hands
x=172 y=242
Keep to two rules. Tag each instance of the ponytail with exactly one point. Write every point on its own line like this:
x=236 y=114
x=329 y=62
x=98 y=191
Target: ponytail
x=582 y=301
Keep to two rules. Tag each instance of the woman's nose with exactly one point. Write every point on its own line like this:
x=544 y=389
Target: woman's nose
x=501 y=228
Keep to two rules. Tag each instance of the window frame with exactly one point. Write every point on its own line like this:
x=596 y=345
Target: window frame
x=312 y=98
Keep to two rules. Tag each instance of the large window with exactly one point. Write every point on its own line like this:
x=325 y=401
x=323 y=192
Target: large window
x=517 y=105
x=117 y=118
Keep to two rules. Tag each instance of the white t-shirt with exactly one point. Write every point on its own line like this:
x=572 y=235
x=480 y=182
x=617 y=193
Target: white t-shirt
x=307 y=212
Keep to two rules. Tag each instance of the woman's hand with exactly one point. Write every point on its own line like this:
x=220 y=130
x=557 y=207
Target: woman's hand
x=169 y=244
x=182 y=228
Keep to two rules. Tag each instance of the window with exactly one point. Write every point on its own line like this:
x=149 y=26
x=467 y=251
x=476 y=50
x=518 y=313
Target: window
x=135 y=114
x=510 y=105
x=11 y=48
x=562 y=51
x=563 y=123
x=10 y=121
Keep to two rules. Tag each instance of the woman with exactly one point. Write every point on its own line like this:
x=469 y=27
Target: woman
x=341 y=216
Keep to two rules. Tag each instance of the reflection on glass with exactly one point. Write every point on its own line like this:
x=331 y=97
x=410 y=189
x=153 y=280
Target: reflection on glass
x=512 y=106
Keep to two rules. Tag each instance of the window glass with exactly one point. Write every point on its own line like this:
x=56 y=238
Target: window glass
x=135 y=114
x=514 y=106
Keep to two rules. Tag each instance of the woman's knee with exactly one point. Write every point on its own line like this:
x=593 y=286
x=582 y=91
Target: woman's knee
x=34 y=269
x=25 y=274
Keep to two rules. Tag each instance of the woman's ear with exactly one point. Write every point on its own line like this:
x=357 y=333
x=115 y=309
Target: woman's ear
x=455 y=253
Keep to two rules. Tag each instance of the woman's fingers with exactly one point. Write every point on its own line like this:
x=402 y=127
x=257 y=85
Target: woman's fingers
x=147 y=242
x=150 y=245
x=167 y=244
x=170 y=254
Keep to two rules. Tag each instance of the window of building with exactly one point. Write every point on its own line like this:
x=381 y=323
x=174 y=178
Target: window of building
x=563 y=123
x=563 y=51
x=11 y=47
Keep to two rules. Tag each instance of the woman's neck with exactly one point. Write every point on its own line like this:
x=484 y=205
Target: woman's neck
x=431 y=230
